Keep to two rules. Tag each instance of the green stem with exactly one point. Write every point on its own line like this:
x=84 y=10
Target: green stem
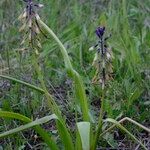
x=103 y=72
x=8 y=62
x=50 y=101
x=100 y=122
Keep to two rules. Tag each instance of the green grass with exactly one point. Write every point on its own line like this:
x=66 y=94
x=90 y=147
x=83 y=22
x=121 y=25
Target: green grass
x=31 y=79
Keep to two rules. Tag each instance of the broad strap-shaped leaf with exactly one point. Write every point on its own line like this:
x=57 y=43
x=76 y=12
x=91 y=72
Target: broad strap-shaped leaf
x=64 y=134
x=84 y=132
x=28 y=125
x=46 y=137
x=79 y=87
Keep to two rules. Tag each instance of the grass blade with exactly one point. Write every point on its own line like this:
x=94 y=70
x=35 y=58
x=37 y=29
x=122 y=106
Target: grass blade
x=28 y=125
x=46 y=137
x=64 y=134
x=23 y=83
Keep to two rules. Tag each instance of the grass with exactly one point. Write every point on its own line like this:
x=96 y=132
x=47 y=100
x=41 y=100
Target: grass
x=64 y=61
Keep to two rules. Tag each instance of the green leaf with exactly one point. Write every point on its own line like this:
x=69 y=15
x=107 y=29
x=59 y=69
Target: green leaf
x=64 y=134
x=84 y=131
x=23 y=83
x=46 y=137
x=79 y=87
x=7 y=114
x=28 y=125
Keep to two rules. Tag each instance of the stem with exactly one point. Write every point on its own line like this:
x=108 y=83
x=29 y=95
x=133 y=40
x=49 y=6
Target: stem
x=100 y=123
x=8 y=62
x=50 y=101
x=103 y=53
x=100 y=120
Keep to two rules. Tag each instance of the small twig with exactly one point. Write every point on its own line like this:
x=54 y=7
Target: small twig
x=123 y=120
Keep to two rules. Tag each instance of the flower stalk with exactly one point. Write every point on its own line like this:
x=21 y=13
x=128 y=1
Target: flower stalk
x=31 y=28
x=100 y=62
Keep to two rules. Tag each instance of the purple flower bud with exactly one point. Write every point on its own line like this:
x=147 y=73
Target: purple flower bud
x=100 y=31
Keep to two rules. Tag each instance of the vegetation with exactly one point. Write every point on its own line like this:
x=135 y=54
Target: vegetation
x=74 y=75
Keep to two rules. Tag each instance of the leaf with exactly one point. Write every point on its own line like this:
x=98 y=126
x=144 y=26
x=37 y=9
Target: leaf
x=24 y=83
x=46 y=137
x=64 y=134
x=7 y=114
x=79 y=87
x=28 y=125
x=84 y=131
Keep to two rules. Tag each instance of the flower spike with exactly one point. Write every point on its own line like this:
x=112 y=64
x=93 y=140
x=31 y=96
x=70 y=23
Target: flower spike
x=100 y=31
x=102 y=59
x=30 y=25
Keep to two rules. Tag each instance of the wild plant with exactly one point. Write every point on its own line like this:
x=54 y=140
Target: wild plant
x=87 y=134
